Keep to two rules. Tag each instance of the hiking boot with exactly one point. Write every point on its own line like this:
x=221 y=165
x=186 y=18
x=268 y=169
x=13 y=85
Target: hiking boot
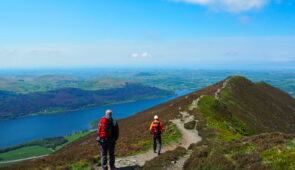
x=159 y=153
x=155 y=152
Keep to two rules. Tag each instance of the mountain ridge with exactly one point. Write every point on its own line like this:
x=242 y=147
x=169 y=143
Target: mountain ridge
x=223 y=120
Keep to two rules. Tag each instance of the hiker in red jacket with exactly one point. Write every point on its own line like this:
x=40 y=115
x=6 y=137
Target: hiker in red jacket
x=107 y=135
x=156 y=129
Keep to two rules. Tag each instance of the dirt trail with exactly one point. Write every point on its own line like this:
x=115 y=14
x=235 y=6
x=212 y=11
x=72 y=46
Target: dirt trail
x=178 y=165
x=188 y=137
x=217 y=93
x=195 y=103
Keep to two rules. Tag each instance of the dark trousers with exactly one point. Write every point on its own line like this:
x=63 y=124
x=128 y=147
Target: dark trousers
x=105 y=148
x=159 y=139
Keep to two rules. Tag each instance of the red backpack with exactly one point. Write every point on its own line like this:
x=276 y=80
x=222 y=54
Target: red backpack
x=104 y=128
x=156 y=128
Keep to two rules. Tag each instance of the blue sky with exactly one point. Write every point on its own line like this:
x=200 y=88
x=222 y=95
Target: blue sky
x=147 y=33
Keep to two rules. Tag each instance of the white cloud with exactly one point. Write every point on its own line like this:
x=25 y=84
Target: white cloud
x=141 y=55
x=230 y=5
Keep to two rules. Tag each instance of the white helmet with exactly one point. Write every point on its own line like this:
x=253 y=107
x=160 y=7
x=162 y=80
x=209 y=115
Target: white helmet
x=156 y=117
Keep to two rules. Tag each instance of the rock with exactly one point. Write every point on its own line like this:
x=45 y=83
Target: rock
x=232 y=129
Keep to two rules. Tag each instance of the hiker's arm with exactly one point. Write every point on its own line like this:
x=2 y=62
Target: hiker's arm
x=151 y=127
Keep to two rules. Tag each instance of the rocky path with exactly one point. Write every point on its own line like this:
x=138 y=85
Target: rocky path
x=217 y=93
x=188 y=137
x=195 y=103
x=178 y=165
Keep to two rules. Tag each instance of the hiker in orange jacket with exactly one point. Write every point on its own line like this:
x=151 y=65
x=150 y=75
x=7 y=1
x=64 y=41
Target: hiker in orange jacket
x=156 y=129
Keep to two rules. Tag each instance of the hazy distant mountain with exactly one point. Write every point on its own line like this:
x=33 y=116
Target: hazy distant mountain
x=14 y=105
x=31 y=84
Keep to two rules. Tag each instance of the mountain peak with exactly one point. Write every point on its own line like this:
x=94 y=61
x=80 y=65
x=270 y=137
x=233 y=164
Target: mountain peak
x=264 y=107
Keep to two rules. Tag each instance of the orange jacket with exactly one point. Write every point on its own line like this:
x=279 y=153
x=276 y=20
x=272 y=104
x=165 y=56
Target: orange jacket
x=161 y=126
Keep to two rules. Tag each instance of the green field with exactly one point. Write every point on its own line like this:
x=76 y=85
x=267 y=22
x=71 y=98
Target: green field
x=73 y=137
x=37 y=149
x=25 y=152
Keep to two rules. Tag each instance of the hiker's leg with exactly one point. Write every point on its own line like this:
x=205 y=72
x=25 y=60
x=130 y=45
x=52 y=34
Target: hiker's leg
x=160 y=144
x=104 y=150
x=112 y=154
x=155 y=143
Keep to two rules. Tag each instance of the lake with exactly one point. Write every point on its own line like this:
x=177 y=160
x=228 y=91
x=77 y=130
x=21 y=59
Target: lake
x=25 y=129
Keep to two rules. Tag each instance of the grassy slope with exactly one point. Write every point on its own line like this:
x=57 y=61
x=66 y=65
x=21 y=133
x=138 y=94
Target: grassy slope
x=263 y=151
x=73 y=137
x=263 y=107
x=232 y=130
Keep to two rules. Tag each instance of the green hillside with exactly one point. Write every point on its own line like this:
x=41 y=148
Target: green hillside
x=243 y=125
x=245 y=128
x=14 y=105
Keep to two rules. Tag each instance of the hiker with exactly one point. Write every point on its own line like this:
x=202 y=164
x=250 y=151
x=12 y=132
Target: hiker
x=107 y=135
x=156 y=129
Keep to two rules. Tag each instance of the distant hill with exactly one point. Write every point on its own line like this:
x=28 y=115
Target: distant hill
x=32 y=84
x=243 y=125
x=14 y=105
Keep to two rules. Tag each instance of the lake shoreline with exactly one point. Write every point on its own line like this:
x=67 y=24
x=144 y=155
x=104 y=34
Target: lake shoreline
x=52 y=125
x=84 y=108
